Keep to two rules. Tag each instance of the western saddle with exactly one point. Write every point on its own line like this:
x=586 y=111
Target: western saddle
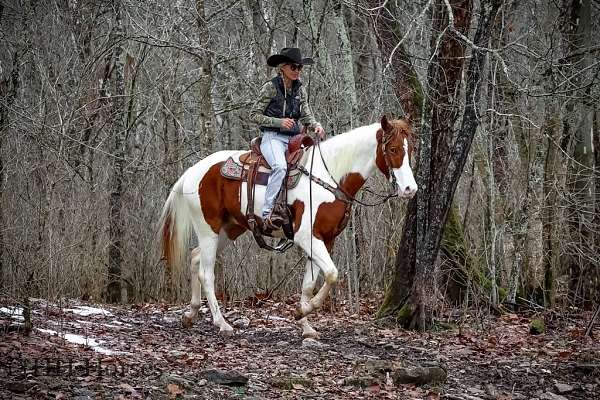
x=251 y=162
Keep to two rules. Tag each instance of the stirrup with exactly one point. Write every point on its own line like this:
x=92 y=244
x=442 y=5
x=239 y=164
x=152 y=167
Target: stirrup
x=273 y=222
x=283 y=245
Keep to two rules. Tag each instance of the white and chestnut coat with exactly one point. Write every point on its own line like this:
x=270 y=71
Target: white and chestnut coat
x=213 y=207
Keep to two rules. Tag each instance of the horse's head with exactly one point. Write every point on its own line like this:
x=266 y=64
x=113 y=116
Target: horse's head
x=394 y=148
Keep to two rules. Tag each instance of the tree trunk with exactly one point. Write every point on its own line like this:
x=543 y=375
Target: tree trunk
x=207 y=115
x=119 y=112
x=440 y=166
x=355 y=264
x=347 y=76
x=250 y=10
x=9 y=85
x=584 y=280
x=8 y=92
x=491 y=230
x=457 y=263
x=551 y=246
x=407 y=87
x=319 y=46
x=521 y=213
x=521 y=221
x=596 y=142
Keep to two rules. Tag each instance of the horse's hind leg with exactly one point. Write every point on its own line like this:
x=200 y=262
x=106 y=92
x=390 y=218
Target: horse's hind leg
x=189 y=317
x=308 y=286
x=209 y=244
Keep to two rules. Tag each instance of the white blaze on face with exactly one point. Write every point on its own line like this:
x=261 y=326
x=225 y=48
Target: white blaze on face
x=407 y=186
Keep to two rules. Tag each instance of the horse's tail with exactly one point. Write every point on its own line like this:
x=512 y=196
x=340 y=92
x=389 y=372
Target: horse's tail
x=174 y=227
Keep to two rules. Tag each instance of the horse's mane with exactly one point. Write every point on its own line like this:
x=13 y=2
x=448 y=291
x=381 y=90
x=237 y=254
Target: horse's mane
x=404 y=126
x=345 y=148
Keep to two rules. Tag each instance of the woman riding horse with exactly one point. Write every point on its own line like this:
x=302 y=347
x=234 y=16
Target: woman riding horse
x=211 y=205
x=279 y=110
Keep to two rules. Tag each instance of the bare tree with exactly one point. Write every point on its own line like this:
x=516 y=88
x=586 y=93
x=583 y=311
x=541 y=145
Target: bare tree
x=119 y=112
x=99 y=118
x=207 y=115
x=578 y=128
x=9 y=85
x=440 y=167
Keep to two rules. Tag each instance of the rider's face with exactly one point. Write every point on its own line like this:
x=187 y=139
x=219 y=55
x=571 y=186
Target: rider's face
x=291 y=71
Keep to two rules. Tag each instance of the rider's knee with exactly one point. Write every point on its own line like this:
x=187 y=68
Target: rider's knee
x=279 y=166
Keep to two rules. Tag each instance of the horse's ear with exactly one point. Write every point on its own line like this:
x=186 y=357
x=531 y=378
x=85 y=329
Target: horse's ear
x=385 y=124
x=379 y=135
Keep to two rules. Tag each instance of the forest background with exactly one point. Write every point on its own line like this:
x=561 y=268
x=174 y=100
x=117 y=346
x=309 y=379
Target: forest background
x=103 y=105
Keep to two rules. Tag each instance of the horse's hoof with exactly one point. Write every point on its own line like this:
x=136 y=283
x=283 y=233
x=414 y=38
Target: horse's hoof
x=298 y=314
x=226 y=332
x=310 y=334
x=186 y=321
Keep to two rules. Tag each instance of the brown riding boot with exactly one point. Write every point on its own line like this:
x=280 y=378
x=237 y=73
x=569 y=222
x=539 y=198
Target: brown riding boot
x=273 y=221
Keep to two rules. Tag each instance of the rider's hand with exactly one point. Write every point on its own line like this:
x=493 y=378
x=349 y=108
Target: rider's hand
x=287 y=123
x=320 y=132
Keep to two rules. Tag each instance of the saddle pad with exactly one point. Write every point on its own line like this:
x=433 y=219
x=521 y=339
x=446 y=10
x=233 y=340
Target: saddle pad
x=232 y=170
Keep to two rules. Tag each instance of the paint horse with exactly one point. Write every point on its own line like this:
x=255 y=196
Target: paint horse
x=212 y=206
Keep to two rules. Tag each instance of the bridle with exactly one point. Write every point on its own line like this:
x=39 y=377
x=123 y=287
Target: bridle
x=337 y=190
x=385 y=140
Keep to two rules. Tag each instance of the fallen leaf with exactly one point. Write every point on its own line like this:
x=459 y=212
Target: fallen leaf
x=565 y=354
x=174 y=390
x=126 y=387
x=375 y=388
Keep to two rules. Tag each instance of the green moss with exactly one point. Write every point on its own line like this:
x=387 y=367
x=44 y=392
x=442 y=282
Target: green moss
x=288 y=382
x=502 y=293
x=460 y=267
x=400 y=315
x=418 y=96
x=361 y=381
x=537 y=326
x=385 y=310
x=404 y=312
x=445 y=326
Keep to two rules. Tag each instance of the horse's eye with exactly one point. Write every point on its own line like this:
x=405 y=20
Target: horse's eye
x=394 y=149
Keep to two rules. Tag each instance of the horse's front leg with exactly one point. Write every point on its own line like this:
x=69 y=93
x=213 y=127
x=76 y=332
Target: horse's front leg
x=308 y=286
x=322 y=259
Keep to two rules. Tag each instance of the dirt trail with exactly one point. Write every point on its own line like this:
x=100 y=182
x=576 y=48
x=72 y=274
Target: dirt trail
x=84 y=351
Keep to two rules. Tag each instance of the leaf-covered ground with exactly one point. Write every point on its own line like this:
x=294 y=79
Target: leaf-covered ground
x=85 y=351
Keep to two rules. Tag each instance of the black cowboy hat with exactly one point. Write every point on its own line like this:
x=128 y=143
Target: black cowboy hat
x=288 y=55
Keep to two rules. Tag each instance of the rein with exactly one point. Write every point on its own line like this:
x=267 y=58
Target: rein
x=339 y=193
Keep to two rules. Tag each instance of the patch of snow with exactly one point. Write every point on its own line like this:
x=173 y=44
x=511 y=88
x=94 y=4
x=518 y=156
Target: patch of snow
x=78 y=339
x=86 y=311
x=14 y=312
x=48 y=331
x=276 y=318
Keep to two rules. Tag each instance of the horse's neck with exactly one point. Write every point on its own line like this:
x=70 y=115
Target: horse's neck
x=350 y=153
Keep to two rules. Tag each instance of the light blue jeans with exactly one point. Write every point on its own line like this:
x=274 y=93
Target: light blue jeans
x=273 y=147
